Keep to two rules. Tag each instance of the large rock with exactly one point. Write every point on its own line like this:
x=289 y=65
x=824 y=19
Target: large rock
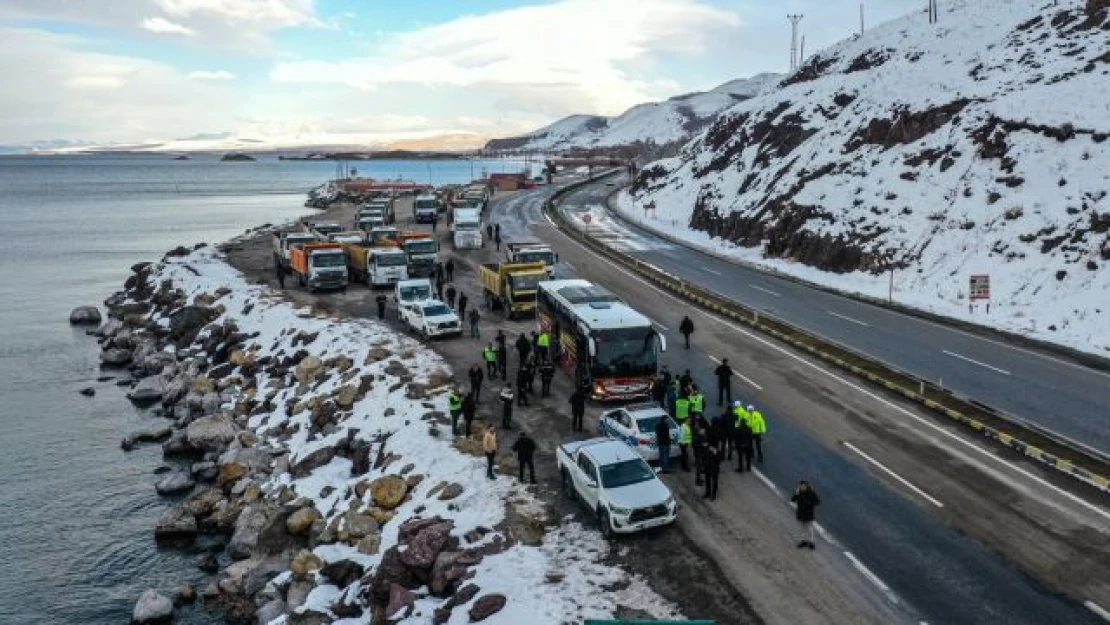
x=391 y=570
x=271 y=610
x=342 y=572
x=400 y=598
x=115 y=357
x=388 y=491
x=149 y=390
x=210 y=433
x=426 y=545
x=304 y=563
x=85 y=316
x=187 y=321
x=152 y=607
x=450 y=567
x=301 y=521
x=175 y=483
x=307 y=369
x=247 y=528
x=486 y=606
x=204 y=471
x=176 y=525
x=297 y=594
x=314 y=460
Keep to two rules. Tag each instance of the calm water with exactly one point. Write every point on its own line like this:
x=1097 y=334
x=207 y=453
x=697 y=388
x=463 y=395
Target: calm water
x=76 y=536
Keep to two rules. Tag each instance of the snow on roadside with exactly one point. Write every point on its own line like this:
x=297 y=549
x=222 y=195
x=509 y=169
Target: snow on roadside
x=404 y=406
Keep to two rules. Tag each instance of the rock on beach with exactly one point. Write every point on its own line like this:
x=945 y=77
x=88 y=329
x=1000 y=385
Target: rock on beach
x=151 y=608
x=85 y=316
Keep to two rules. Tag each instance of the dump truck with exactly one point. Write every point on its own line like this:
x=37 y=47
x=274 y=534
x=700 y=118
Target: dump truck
x=466 y=228
x=376 y=266
x=348 y=236
x=383 y=205
x=322 y=229
x=384 y=236
x=532 y=251
x=422 y=251
x=284 y=242
x=319 y=266
x=425 y=208
x=511 y=286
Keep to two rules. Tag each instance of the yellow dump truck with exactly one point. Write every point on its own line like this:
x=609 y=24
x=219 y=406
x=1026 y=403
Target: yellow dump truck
x=511 y=286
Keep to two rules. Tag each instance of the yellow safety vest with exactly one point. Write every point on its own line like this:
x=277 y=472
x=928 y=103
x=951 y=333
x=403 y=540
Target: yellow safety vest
x=544 y=340
x=454 y=401
x=681 y=408
x=741 y=414
x=697 y=403
x=685 y=436
x=490 y=355
x=759 y=426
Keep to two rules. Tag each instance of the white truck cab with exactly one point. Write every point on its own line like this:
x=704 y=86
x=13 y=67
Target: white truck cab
x=616 y=484
x=387 y=265
x=466 y=227
x=412 y=291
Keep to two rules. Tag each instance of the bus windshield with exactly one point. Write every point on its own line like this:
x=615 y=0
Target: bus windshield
x=426 y=203
x=625 y=352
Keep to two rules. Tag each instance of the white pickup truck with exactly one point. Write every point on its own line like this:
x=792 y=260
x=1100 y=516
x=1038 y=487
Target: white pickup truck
x=430 y=319
x=616 y=484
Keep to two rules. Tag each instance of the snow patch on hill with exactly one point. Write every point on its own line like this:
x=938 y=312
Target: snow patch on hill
x=975 y=145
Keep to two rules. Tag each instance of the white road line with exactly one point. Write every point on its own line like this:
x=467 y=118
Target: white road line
x=767 y=291
x=824 y=534
x=976 y=362
x=847 y=318
x=894 y=475
x=712 y=271
x=740 y=375
x=766 y=481
x=882 y=400
x=569 y=265
x=1097 y=609
x=874 y=579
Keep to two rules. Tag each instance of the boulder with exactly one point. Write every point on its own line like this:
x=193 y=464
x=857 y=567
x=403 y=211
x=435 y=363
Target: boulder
x=314 y=460
x=210 y=433
x=356 y=524
x=176 y=525
x=85 y=316
x=273 y=609
x=400 y=598
x=149 y=390
x=450 y=567
x=388 y=491
x=187 y=321
x=486 y=606
x=175 y=483
x=115 y=357
x=307 y=369
x=301 y=521
x=297 y=594
x=184 y=593
x=153 y=435
x=304 y=563
x=450 y=492
x=88 y=391
x=369 y=545
x=177 y=445
x=203 y=385
x=308 y=617
x=208 y=563
x=426 y=545
x=342 y=572
x=347 y=396
x=391 y=570
x=204 y=471
x=247 y=528
x=231 y=472
x=152 y=607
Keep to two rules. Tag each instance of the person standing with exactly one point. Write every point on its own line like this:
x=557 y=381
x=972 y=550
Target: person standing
x=523 y=347
x=435 y=222
x=663 y=442
x=449 y=268
x=450 y=301
x=681 y=408
x=476 y=377
x=497 y=231
x=506 y=407
x=530 y=376
x=547 y=373
x=667 y=377
x=697 y=402
x=439 y=272
x=489 y=355
x=454 y=406
x=685 y=437
x=380 y=299
x=525 y=448
x=724 y=382
x=543 y=342
x=280 y=269
x=497 y=239
x=502 y=355
x=659 y=391
x=669 y=397
x=439 y=288
x=743 y=446
x=711 y=464
x=489 y=445
x=522 y=386
x=759 y=428
x=475 y=333
x=686 y=328
x=685 y=381
x=699 y=442
x=577 y=408
x=805 y=510
x=489 y=231
x=468 y=410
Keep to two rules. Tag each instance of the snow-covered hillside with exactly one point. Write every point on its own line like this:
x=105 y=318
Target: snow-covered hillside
x=974 y=145
x=661 y=123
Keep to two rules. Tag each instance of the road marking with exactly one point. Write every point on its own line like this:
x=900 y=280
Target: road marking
x=740 y=375
x=825 y=535
x=847 y=318
x=712 y=271
x=568 y=264
x=768 y=483
x=973 y=361
x=767 y=291
x=859 y=389
x=1097 y=609
x=894 y=475
x=874 y=579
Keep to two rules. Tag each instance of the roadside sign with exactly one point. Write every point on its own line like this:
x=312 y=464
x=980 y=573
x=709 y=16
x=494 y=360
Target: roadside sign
x=587 y=218
x=980 y=287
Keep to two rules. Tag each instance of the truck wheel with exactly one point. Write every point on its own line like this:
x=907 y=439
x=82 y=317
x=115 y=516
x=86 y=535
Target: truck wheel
x=603 y=524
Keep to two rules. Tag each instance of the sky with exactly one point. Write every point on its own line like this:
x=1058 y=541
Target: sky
x=364 y=72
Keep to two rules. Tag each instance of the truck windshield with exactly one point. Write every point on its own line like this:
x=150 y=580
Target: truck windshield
x=625 y=352
x=295 y=241
x=427 y=204
x=436 y=310
x=527 y=282
x=547 y=258
x=390 y=260
x=422 y=246
x=414 y=293
x=625 y=473
x=330 y=259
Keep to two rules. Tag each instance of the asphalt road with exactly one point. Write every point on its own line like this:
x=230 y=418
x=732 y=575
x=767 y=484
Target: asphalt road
x=1057 y=395
x=947 y=531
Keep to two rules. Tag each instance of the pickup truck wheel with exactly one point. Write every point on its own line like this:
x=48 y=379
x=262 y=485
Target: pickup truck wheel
x=603 y=524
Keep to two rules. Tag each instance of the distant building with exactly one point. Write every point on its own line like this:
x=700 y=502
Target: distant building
x=507 y=182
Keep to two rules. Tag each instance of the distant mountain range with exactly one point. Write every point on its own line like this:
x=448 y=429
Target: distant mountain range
x=659 y=123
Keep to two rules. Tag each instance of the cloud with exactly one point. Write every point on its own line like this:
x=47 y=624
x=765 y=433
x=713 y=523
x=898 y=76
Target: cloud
x=163 y=26
x=217 y=75
x=573 y=55
x=270 y=13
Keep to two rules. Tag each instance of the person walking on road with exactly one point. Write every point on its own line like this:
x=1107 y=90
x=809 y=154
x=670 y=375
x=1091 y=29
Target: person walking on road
x=475 y=333
x=724 y=383
x=454 y=406
x=547 y=374
x=525 y=448
x=476 y=377
x=743 y=446
x=489 y=231
x=506 y=407
x=439 y=288
x=435 y=222
x=497 y=231
x=805 y=506
x=468 y=410
x=280 y=269
x=759 y=428
x=489 y=445
x=711 y=464
x=502 y=355
x=681 y=408
x=522 y=386
x=720 y=434
x=489 y=355
x=699 y=442
x=663 y=442
x=530 y=376
x=450 y=293
x=577 y=408
x=462 y=305
x=380 y=299
x=686 y=328
x=685 y=437
x=439 y=272
x=523 y=348
x=449 y=269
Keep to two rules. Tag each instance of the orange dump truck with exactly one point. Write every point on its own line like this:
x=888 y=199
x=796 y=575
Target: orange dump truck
x=319 y=266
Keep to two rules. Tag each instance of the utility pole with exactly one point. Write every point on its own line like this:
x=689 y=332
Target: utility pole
x=933 y=16
x=861 y=19
x=794 y=19
x=802 y=52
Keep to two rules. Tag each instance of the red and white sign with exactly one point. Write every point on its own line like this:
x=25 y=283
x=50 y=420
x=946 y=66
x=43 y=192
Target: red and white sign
x=980 y=287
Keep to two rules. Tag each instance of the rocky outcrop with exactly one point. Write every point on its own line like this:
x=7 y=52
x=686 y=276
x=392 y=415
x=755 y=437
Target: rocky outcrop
x=149 y=390
x=115 y=357
x=175 y=484
x=176 y=526
x=210 y=434
x=152 y=608
x=85 y=316
x=486 y=606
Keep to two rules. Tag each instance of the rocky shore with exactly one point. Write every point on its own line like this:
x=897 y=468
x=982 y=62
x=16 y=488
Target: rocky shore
x=311 y=461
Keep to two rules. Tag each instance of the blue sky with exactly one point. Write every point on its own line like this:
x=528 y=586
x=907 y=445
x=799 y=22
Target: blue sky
x=367 y=71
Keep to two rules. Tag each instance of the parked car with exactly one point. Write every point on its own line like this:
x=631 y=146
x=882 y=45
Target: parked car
x=635 y=425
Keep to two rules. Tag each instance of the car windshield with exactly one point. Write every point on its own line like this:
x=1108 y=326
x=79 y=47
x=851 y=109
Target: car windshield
x=331 y=259
x=436 y=310
x=526 y=282
x=422 y=246
x=625 y=352
x=625 y=473
x=390 y=260
x=647 y=424
x=548 y=258
x=413 y=293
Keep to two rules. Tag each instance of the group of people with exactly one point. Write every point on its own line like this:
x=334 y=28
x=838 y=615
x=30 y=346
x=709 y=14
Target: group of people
x=493 y=233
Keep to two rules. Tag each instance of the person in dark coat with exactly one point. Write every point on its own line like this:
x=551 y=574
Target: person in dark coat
x=547 y=373
x=685 y=381
x=577 y=408
x=805 y=508
x=506 y=397
x=659 y=391
x=489 y=231
x=523 y=348
x=720 y=433
x=686 y=328
x=744 y=446
x=476 y=377
x=522 y=386
x=468 y=409
x=699 y=442
x=450 y=293
x=724 y=382
x=530 y=376
x=663 y=442
x=280 y=274
x=440 y=274
x=502 y=355
x=462 y=305
x=449 y=269
x=711 y=463
x=381 y=305
x=525 y=448
x=439 y=288
x=667 y=377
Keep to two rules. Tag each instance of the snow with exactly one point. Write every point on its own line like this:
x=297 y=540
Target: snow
x=1028 y=216
x=519 y=571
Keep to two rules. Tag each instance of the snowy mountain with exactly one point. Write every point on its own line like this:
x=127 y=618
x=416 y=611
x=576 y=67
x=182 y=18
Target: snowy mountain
x=977 y=145
x=661 y=123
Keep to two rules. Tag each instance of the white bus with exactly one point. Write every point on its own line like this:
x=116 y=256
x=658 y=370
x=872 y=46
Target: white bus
x=598 y=340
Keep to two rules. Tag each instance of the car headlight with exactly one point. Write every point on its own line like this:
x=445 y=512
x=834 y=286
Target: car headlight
x=619 y=510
